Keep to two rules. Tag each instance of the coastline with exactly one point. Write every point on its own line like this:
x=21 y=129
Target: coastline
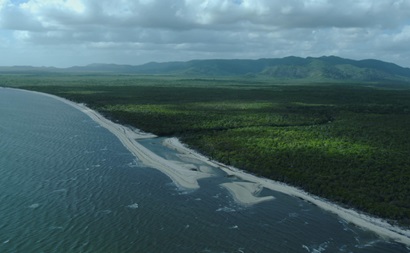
x=185 y=177
x=377 y=225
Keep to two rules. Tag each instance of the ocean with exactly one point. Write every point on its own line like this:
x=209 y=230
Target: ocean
x=69 y=185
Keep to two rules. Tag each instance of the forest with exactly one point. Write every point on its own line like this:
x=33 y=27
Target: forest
x=345 y=142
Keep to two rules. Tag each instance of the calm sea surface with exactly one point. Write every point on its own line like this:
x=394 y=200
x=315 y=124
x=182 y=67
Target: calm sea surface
x=68 y=185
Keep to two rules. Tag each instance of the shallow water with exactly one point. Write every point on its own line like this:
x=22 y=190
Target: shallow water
x=68 y=185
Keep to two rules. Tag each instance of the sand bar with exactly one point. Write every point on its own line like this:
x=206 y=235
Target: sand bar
x=187 y=178
x=246 y=193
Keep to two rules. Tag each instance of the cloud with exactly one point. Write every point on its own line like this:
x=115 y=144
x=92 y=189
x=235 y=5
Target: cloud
x=212 y=14
x=14 y=18
x=398 y=41
x=184 y=29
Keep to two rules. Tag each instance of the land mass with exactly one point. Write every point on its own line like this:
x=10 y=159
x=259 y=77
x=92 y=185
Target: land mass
x=244 y=187
x=344 y=141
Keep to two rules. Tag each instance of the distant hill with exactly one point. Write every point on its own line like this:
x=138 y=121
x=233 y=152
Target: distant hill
x=325 y=68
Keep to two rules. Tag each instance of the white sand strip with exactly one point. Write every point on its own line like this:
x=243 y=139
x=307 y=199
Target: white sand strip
x=376 y=225
x=182 y=175
x=246 y=193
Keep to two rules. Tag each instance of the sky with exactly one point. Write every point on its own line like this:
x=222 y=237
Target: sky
x=65 y=33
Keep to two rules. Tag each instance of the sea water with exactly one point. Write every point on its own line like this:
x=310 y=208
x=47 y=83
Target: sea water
x=68 y=185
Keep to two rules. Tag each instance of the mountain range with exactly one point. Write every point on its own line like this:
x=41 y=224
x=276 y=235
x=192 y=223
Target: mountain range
x=325 y=68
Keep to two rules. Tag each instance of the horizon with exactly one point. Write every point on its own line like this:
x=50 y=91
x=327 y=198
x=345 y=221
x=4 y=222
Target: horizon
x=161 y=62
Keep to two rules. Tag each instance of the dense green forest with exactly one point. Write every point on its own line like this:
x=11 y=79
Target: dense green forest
x=349 y=143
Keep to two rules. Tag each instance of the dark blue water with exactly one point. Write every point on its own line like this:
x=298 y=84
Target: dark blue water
x=68 y=185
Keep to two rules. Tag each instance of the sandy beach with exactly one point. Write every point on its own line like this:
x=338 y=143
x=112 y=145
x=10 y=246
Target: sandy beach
x=245 y=188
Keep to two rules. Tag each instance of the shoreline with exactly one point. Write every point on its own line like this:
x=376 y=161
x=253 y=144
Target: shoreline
x=376 y=225
x=184 y=176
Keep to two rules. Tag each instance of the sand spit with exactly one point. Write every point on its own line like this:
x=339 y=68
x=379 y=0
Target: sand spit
x=246 y=193
x=181 y=174
x=242 y=191
x=187 y=177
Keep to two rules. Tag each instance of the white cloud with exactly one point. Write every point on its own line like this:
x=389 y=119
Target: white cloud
x=41 y=6
x=188 y=14
x=209 y=28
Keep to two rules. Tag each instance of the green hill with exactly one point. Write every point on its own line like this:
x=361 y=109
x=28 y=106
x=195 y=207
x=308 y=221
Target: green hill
x=320 y=69
x=326 y=68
